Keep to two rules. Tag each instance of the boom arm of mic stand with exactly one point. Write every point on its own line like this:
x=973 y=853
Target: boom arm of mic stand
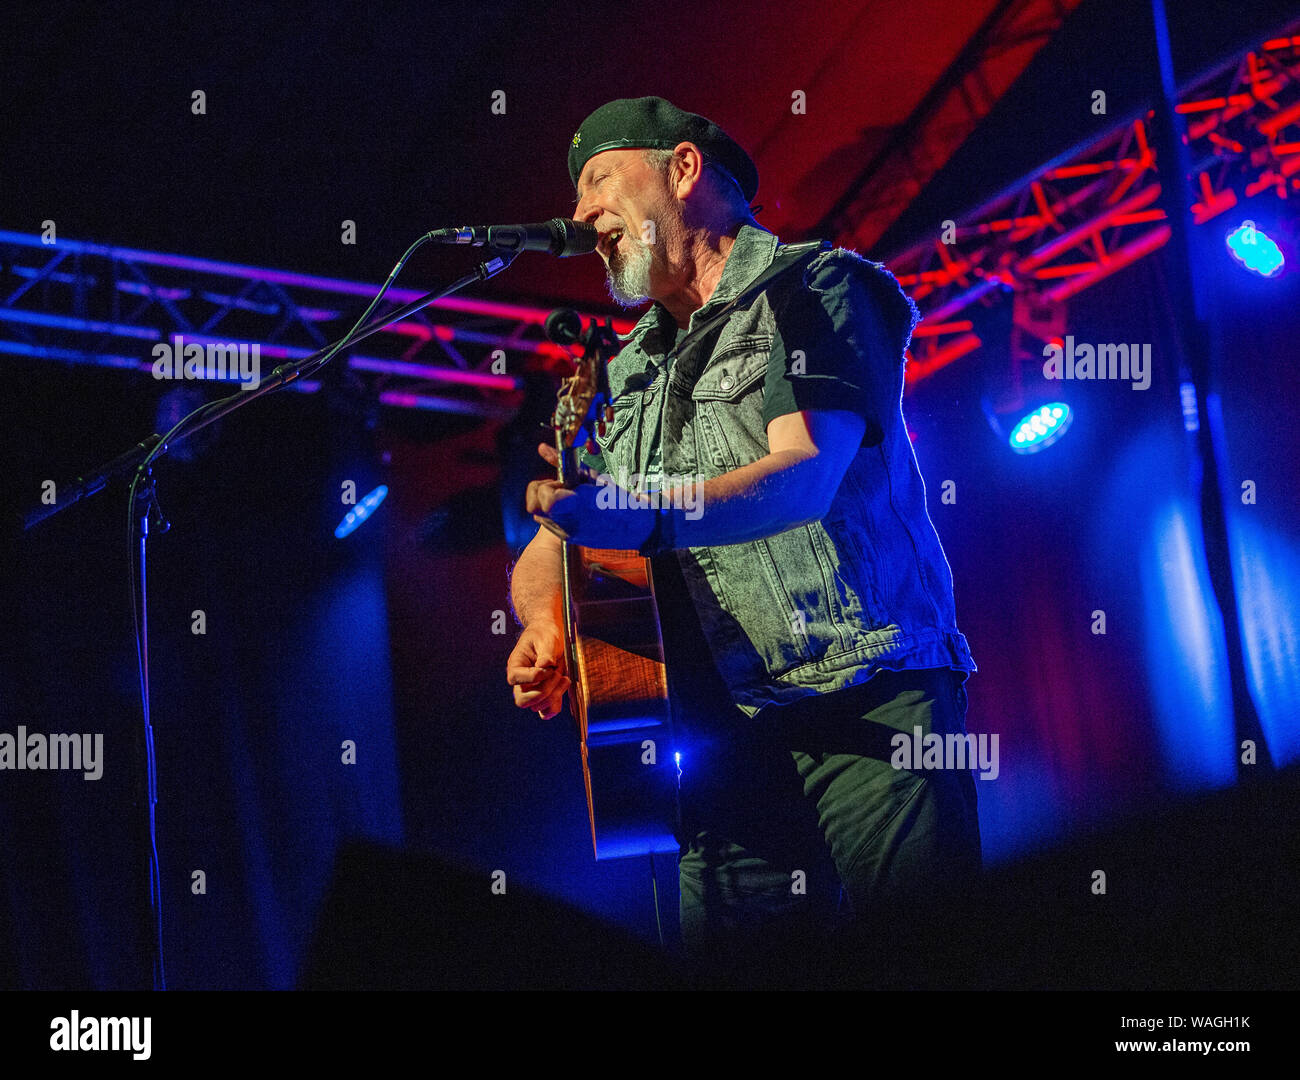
x=126 y=463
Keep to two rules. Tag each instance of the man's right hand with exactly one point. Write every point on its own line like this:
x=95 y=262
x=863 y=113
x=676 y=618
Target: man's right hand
x=536 y=669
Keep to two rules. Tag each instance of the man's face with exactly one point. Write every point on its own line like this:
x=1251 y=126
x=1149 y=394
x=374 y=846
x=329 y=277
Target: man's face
x=629 y=204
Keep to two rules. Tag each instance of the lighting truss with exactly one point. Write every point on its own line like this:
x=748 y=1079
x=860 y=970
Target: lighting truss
x=73 y=302
x=1095 y=210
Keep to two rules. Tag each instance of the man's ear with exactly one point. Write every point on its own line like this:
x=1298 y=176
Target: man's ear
x=688 y=169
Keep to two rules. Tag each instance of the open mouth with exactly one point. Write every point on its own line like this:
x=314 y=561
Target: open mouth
x=611 y=241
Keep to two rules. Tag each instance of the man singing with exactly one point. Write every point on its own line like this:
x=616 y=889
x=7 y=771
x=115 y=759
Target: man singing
x=806 y=603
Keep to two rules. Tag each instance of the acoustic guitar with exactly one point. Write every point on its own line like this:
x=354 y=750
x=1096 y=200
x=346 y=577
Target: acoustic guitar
x=618 y=687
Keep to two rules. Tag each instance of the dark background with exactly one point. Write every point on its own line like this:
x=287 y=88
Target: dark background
x=380 y=114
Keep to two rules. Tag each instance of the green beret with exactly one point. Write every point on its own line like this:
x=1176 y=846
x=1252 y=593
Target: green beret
x=655 y=124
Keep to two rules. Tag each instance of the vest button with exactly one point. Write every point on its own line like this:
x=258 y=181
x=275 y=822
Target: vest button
x=726 y=382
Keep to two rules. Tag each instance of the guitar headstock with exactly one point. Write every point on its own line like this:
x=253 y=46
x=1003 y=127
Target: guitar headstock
x=584 y=394
x=575 y=400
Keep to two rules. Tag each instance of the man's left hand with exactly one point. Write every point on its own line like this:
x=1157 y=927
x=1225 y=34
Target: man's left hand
x=622 y=520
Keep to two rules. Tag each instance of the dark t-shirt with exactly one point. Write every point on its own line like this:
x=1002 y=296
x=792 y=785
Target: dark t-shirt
x=834 y=340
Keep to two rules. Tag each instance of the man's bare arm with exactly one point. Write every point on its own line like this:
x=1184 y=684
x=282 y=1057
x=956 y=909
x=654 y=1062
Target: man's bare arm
x=536 y=580
x=536 y=666
x=795 y=483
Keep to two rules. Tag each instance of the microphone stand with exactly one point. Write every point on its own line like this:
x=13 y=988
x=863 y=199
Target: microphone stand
x=144 y=509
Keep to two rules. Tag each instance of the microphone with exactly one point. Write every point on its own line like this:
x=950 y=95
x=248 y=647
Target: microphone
x=559 y=236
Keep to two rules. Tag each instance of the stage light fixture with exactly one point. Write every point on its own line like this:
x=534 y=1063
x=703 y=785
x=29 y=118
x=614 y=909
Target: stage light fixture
x=1040 y=428
x=354 y=517
x=1255 y=250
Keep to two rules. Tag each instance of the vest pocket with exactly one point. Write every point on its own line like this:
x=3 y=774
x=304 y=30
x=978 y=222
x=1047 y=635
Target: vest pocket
x=728 y=406
x=734 y=371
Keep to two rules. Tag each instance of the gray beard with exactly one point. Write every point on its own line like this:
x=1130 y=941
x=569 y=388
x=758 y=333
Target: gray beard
x=629 y=272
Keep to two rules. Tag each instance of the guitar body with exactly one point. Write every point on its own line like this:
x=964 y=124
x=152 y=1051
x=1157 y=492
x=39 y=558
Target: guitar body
x=619 y=695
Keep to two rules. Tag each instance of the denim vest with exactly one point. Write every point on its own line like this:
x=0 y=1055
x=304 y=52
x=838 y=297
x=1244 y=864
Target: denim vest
x=819 y=607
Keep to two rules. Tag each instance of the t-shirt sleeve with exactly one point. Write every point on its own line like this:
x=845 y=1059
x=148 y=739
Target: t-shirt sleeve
x=839 y=342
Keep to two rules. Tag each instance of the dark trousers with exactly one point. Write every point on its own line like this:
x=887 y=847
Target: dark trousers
x=780 y=811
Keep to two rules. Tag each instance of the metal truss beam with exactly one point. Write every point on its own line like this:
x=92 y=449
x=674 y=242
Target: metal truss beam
x=1095 y=210
x=81 y=303
x=919 y=147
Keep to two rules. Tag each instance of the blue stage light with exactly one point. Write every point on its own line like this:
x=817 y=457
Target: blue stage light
x=361 y=511
x=1187 y=395
x=1256 y=251
x=1041 y=428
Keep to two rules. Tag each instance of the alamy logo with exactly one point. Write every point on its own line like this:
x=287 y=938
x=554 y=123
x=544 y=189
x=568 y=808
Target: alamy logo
x=1106 y=361
x=918 y=752
x=216 y=361
x=77 y=1032
x=84 y=753
x=632 y=491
